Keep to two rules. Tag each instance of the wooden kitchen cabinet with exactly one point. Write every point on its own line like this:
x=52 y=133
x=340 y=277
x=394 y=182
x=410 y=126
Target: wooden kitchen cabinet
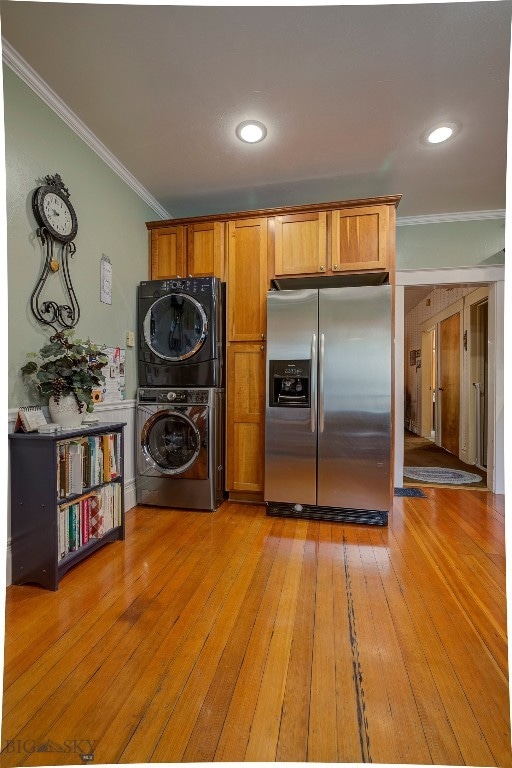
x=300 y=245
x=245 y=398
x=247 y=279
x=361 y=238
x=205 y=249
x=188 y=249
x=168 y=252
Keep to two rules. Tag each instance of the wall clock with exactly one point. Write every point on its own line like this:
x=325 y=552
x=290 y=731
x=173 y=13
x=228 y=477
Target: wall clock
x=58 y=226
x=53 y=210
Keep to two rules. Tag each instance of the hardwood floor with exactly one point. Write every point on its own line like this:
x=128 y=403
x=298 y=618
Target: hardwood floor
x=234 y=636
x=421 y=452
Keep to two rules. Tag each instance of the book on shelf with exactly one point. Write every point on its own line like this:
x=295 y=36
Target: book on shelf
x=106 y=446
x=75 y=467
x=96 y=516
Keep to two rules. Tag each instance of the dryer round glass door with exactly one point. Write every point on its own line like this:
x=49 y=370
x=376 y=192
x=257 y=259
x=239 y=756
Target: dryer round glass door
x=175 y=327
x=171 y=442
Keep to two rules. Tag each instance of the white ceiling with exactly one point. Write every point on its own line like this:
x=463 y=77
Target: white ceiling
x=347 y=93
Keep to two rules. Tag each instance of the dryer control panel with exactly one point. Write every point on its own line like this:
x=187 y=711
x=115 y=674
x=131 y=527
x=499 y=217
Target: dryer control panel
x=190 y=285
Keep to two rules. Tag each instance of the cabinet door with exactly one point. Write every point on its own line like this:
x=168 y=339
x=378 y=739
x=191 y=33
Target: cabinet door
x=205 y=249
x=245 y=417
x=168 y=257
x=301 y=243
x=247 y=279
x=360 y=238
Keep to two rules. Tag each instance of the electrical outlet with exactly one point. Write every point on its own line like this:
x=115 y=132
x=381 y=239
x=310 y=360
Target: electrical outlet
x=130 y=339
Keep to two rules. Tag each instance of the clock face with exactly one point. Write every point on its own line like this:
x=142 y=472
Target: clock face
x=54 y=212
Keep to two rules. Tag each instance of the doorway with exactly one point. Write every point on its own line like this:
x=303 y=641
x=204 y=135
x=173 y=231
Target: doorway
x=493 y=276
x=447 y=402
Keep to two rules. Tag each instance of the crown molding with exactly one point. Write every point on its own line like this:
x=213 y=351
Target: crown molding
x=25 y=72
x=444 y=218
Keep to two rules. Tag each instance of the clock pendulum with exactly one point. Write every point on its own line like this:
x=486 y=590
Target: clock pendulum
x=58 y=226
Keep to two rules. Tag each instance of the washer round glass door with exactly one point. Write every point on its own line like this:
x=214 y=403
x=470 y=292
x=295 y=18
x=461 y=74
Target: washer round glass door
x=175 y=327
x=171 y=442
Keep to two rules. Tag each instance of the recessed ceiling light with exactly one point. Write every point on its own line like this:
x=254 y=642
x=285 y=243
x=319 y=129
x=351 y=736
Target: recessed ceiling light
x=441 y=133
x=251 y=131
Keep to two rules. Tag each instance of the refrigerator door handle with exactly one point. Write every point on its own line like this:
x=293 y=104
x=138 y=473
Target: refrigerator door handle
x=313 y=382
x=321 y=384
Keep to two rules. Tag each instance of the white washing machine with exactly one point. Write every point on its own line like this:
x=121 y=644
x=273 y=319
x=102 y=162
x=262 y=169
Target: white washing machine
x=180 y=450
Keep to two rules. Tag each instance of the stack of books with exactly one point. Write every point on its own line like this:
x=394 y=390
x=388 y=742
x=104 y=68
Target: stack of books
x=86 y=462
x=89 y=517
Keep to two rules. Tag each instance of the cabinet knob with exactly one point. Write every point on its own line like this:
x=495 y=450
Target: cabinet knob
x=262 y=347
x=335 y=268
x=322 y=268
x=262 y=335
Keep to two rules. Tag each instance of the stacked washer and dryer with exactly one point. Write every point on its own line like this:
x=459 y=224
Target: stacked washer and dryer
x=180 y=402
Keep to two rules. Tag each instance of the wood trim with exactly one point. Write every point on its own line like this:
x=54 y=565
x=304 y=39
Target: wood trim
x=246 y=497
x=391 y=200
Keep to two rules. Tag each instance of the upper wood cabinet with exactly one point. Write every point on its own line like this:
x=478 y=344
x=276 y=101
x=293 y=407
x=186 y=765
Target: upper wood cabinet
x=360 y=238
x=205 y=248
x=329 y=238
x=168 y=255
x=247 y=279
x=300 y=245
x=188 y=249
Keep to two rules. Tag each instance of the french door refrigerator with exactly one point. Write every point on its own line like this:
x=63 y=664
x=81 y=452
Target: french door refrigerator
x=328 y=404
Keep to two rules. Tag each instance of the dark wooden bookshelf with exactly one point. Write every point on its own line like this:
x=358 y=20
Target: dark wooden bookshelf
x=35 y=503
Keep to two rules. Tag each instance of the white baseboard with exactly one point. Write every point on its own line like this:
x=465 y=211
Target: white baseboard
x=130 y=497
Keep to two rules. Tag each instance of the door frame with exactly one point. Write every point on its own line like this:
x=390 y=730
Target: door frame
x=494 y=277
x=428 y=376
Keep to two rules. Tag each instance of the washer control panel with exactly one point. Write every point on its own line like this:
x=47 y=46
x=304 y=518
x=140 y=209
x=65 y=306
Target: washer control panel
x=170 y=396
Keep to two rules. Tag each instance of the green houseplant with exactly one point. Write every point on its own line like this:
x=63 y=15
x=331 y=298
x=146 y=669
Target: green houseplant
x=66 y=366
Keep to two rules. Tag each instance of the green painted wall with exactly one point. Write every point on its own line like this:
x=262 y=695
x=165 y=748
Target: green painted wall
x=111 y=221
x=450 y=244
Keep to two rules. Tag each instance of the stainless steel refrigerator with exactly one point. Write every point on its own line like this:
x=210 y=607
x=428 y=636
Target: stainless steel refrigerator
x=328 y=404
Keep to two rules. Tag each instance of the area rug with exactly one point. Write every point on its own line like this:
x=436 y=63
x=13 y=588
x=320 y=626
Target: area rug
x=441 y=475
x=410 y=492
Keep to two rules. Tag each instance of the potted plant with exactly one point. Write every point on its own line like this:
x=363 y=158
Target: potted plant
x=66 y=370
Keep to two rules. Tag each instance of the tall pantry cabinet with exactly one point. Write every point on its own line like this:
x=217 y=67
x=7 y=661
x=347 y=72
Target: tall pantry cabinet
x=246 y=323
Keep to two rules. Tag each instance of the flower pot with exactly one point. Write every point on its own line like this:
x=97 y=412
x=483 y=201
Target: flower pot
x=66 y=412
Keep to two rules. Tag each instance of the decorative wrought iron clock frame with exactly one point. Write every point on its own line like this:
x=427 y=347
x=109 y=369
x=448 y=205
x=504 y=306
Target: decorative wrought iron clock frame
x=53 y=236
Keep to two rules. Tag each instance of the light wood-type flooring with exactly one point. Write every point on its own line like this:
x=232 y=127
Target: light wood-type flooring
x=234 y=636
